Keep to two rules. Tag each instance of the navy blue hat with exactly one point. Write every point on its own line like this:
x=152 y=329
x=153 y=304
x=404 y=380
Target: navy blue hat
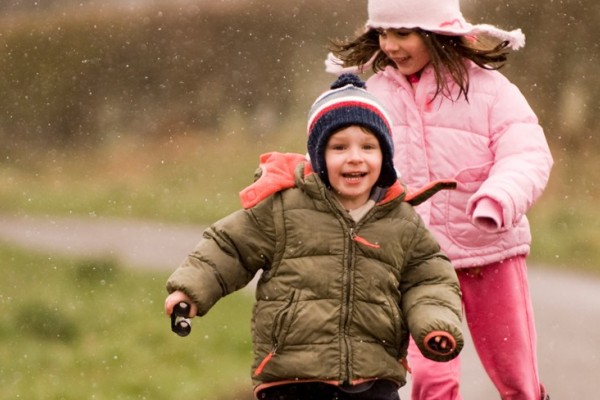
x=346 y=104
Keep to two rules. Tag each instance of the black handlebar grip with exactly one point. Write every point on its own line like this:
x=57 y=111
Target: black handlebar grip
x=180 y=321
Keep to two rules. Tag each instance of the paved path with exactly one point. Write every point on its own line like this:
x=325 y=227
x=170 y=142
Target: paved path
x=567 y=306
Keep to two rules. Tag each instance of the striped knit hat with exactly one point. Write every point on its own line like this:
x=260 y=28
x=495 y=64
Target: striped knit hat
x=346 y=104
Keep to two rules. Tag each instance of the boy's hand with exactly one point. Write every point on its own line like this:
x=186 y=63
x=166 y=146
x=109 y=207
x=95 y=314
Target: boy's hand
x=440 y=344
x=177 y=297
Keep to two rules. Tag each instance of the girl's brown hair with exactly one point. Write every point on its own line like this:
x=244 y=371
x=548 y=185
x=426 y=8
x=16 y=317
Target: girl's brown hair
x=447 y=53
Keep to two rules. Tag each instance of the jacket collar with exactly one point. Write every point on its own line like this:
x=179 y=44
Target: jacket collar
x=279 y=171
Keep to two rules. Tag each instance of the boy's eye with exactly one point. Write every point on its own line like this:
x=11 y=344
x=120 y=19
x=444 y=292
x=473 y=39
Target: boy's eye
x=337 y=146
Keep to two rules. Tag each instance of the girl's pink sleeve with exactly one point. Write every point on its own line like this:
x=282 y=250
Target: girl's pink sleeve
x=487 y=215
x=522 y=159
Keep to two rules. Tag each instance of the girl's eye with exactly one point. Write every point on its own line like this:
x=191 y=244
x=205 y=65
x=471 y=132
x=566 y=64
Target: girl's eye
x=398 y=33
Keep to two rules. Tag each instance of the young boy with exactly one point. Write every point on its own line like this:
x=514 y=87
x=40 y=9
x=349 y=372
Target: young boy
x=348 y=269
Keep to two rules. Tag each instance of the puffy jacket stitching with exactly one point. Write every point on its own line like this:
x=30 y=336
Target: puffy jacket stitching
x=217 y=275
x=280 y=236
x=283 y=321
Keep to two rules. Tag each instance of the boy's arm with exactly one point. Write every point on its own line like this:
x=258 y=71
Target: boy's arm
x=431 y=299
x=228 y=256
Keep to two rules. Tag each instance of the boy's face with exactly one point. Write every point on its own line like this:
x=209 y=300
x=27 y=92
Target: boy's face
x=353 y=158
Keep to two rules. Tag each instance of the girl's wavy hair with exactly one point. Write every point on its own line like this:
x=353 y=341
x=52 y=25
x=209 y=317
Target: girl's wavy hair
x=447 y=53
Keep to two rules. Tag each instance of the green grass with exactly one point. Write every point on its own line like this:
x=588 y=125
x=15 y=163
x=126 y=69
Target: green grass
x=188 y=178
x=93 y=329
x=566 y=223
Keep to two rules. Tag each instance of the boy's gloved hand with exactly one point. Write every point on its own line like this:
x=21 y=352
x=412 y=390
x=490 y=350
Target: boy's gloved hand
x=441 y=343
x=177 y=297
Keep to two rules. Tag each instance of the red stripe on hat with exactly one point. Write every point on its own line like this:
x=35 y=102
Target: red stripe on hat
x=350 y=103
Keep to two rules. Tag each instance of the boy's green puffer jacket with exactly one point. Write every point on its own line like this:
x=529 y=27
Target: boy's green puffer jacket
x=337 y=299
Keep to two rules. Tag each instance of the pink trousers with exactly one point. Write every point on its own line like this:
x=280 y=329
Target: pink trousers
x=499 y=315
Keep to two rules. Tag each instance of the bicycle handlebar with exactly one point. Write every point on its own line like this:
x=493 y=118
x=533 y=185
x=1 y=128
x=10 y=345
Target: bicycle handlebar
x=181 y=324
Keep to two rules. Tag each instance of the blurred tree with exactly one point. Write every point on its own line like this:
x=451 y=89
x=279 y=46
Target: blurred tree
x=11 y=6
x=78 y=77
x=557 y=69
x=81 y=71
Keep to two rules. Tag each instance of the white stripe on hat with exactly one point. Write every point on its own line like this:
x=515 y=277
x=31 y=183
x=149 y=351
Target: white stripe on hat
x=336 y=101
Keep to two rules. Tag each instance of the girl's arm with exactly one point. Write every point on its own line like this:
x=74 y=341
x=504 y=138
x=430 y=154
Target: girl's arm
x=522 y=163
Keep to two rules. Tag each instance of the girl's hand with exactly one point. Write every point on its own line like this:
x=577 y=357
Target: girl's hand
x=177 y=297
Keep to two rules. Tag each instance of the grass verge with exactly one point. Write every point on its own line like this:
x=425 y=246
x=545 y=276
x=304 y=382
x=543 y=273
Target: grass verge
x=92 y=329
x=187 y=178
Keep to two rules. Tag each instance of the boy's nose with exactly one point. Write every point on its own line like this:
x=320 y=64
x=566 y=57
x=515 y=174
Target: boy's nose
x=355 y=154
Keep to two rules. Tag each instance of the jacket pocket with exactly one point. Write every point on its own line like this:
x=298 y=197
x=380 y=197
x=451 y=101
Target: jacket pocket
x=283 y=320
x=460 y=229
x=401 y=333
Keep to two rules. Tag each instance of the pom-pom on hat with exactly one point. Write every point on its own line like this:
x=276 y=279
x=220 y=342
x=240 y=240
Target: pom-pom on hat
x=346 y=104
x=438 y=16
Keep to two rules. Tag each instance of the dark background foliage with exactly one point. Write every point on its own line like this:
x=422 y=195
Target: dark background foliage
x=77 y=72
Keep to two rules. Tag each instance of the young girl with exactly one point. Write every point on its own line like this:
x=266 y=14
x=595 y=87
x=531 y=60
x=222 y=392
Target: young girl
x=456 y=117
x=348 y=268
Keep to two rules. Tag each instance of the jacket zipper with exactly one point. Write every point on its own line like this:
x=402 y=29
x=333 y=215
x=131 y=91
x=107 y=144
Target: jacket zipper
x=346 y=303
x=354 y=238
x=265 y=361
x=363 y=241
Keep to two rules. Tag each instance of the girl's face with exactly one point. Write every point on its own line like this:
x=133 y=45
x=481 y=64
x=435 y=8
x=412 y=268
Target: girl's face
x=406 y=48
x=353 y=158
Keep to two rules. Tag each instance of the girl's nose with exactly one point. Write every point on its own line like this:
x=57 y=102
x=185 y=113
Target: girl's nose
x=388 y=44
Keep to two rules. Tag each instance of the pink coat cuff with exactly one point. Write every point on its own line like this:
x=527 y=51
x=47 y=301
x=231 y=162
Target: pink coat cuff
x=487 y=215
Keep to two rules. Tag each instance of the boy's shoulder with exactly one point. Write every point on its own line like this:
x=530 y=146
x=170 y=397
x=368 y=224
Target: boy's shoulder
x=276 y=172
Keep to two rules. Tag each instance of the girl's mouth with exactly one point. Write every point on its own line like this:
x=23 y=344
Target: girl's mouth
x=401 y=60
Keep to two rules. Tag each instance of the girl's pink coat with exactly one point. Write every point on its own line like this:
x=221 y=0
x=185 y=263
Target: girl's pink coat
x=491 y=145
